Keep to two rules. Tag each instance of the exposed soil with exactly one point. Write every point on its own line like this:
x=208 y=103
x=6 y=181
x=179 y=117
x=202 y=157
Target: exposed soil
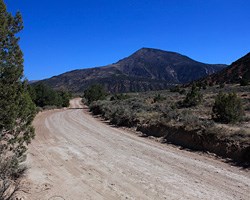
x=75 y=156
x=226 y=147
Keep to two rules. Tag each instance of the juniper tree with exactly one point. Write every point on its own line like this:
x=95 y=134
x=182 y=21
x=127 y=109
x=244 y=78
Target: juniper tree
x=42 y=95
x=16 y=107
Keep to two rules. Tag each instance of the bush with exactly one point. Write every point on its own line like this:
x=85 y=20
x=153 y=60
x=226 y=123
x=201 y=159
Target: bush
x=227 y=108
x=95 y=93
x=193 y=97
x=175 y=89
x=159 y=98
x=119 y=97
x=244 y=82
x=123 y=117
x=43 y=96
x=65 y=98
x=182 y=91
x=211 y=84
x=10 y=173
x=222 y=85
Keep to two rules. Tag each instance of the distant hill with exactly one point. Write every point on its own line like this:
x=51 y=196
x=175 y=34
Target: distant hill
x=237 y=71
x=146 y=69
x=33 y=81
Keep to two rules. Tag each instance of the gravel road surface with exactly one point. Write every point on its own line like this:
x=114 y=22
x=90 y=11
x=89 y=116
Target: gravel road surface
x=76 y=157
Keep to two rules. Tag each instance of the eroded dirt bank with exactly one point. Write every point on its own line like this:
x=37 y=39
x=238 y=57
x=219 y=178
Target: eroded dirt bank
x=75 y=156
x=238 y=152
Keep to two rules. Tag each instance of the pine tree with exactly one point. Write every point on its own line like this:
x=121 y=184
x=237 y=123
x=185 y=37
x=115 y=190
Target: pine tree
x=16 y=107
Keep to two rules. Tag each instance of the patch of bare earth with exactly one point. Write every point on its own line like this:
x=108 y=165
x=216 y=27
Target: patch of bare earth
x=75 y=156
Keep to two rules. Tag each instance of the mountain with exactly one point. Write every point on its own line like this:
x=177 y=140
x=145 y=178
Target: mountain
x=146 y=69
x=237 y=71
x=32 y=81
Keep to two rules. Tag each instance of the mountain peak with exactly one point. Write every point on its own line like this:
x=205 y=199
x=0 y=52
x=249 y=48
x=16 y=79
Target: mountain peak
x=146 y=69
x=146 y=49
x=152 y=50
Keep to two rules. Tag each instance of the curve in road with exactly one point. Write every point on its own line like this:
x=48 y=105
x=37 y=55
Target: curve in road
x=76 y=156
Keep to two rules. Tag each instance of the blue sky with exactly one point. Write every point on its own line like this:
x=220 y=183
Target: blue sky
x=62 y=35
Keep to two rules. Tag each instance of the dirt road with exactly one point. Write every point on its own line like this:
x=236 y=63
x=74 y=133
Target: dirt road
x=77 y=157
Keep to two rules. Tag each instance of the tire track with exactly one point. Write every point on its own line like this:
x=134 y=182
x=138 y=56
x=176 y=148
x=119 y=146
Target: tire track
x=79 y=157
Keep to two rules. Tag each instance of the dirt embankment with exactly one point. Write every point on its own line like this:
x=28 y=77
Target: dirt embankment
x=75 y=156
x=215 y=140
x=196 y=140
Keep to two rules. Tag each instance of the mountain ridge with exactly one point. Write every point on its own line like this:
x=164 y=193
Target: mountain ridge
x=234 y=73
x=146 y=69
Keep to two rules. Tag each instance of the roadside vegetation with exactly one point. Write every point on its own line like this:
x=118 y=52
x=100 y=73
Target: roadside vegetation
x=18 y=105
x=94 y=93
x=228 y=108
x=46 y=98
x=17 y=109
x=208 y=118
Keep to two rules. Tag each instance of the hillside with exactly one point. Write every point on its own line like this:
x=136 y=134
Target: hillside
x=237 y=71
x=146 y=69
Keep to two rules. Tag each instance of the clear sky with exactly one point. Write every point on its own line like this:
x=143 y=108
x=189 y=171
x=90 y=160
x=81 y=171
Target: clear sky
x=62 y=35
